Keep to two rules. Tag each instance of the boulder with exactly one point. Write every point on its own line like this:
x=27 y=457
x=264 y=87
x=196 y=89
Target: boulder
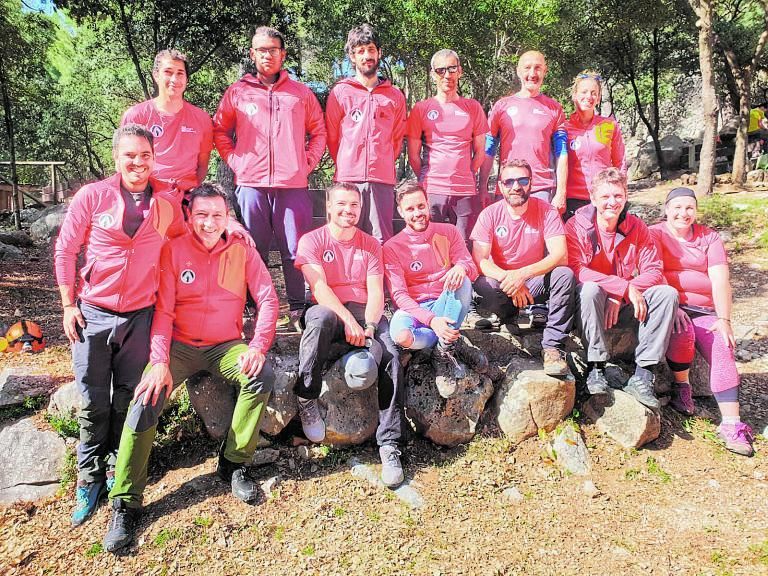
x=48 y=222
x=66 y=401
x=567 y=450
x=644 y=163
x=16 y=384
x=282 y=406
x=8 y=252
x=623 y=418
x=30 y=461
x=497 y=346
x=351 y=416
x=672 y=147
x=446 y=421
x=16 y=238
x=214 y=401
x=755 y=176
x=529 y=400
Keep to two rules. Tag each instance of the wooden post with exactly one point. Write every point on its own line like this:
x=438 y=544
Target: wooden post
x=53 y=183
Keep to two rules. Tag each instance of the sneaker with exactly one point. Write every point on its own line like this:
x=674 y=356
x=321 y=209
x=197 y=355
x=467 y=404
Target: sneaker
x=446 y=355
x=642 y=391
x=554 y=362
x=474 y=321
x=86 y=500
x=311 y=421
x=110 y=481
x=471 y=356
x=597 y=383
x=391 y=468
x=122 y=526
x=682 y=398
x=294 y=317
x=738 y=438
x=244 y=487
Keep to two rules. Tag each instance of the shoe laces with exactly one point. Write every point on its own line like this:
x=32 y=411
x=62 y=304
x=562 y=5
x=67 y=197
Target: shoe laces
x=118 y=518
x=739 y=432
x=392 y=456
x=309 y=412
x=645 y=386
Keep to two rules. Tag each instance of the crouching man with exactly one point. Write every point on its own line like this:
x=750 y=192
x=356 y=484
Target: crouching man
x=204 y=277
x=344 y=269
x=430 y=274
x=621 y=283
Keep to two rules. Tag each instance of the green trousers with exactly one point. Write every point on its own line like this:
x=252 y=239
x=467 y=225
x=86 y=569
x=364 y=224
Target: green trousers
x=141 y=423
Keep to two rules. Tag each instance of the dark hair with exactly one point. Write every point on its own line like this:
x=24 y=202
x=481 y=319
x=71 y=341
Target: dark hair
x=610 y=175
x=408 y=187
x=341 y=186
x=360 y=36
x=132 y=130
x=208 y=190
x=516 y=163
x=270 y=33
x=170 y=55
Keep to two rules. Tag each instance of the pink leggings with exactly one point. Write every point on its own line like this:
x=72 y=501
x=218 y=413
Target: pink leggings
x=723 y=375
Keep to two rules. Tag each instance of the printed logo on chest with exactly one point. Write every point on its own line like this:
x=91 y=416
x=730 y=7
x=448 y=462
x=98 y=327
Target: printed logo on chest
x=416 y=265
x=501 y=231
x=433 y=115
x=356 y=114
x=187 y=276
x=251 y=109
x=157 y=130
x=106 y=220
x=329 y=256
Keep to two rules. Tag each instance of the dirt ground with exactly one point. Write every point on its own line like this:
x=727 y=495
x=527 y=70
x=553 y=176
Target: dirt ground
x=680 y=505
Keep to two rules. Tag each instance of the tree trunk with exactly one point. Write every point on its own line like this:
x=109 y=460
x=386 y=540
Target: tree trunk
x=739 y=173
x=124 y=20
x=706 y=176
x=17 y=197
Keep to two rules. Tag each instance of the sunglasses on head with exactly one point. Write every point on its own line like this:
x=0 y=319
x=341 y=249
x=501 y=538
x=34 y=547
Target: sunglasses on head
x=509 y=182
x=590 y=76
x=443 y=70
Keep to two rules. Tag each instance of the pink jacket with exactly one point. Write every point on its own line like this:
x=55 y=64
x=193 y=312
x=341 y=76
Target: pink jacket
x=202 y=295
x=120 y=272
x=591 y=149
x=271 y=136
x=365 y=130
x=416 y=264
x=635 y=260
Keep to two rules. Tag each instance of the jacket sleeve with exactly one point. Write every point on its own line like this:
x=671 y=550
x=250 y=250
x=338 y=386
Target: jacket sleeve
x=267 y=305
x=579 y=258
x=618 y=158
x=165 y=313
x=461 y=256
x=398 y=129
x=74 y=230
x=398 y=288
x=334 y=114
x=224 y=126
x=315 y=130
x=649 y=266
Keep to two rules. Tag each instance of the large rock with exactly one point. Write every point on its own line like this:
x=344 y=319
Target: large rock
x=529 y=400
x=282 y=406
x=644 y=163
x=214 y=401
x=623 y=418
x=568 y=451
x=66 y=401
x=30 y=462
x=16 y=238
x=16 y=384
x=351 y=416
x=497 y=346
x=8 y=252
x=672 y=150
x=48 y=223
x=446 y=421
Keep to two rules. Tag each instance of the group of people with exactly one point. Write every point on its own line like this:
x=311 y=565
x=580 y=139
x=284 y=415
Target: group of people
x=167 y=271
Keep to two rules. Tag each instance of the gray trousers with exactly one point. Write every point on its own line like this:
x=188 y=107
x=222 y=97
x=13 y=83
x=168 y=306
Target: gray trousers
x=378 y=209
x=652 y=335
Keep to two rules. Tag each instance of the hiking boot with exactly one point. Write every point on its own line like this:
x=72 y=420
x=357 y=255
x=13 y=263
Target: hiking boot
x=642 y=391
x=471 y=356
x=244 y=487
x=554 y=362
x=597 y=383
x=474 y=321
x=86 y=500
x=294 y=317
x=122 y=526
x=682 y=398
x=391 y=468
x=737 y=437
x=311 y=421
x=445 y=355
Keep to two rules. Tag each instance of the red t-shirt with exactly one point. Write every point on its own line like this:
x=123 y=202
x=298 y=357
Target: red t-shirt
x=448 y=130
x=347 y=265
x=686 y=263
x=517 y=242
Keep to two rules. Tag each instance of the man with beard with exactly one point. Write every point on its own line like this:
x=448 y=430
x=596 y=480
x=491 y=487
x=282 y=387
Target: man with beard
x=519 y=247
x=344 y=270
x=446 y=146
x=365 y=116
x=430 y=271
x=621 y=283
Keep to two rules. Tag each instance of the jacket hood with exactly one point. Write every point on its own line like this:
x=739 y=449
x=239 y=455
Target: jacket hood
x=253 y=80
x=352 y=81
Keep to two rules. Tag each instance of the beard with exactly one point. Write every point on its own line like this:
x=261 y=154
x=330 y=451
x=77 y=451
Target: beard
x=516 y=200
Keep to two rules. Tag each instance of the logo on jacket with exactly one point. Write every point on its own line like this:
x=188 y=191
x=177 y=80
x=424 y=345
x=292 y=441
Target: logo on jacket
x=157 y=130
x=188 y=130
x=416 y=265
x=356 y=115
x=539 y=111
x=329 y=256
x=106 y=220
x=433 y=114
x=187 y=276
x=512 y=111
x=575 y=144
x=501 y=231
x=251 y=109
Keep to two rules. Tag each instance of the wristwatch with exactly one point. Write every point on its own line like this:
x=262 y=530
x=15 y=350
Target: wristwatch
x=372 y=326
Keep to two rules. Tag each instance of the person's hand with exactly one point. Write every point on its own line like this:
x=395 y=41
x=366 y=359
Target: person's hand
x=72 y=319
x=681 y=323
x=724 y=328
x=522 y=297
x=612 y=308
x=512 y=282
x=154 y=384
x=559 y=202
x=242 y=233
x=251 y=362
x=354 y=333
x=442 y=327
x=454 y=278
x=370 y=332
x=638 y=303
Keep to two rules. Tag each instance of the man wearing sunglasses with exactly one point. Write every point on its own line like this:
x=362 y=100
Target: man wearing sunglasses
x=446 y=146
x=520 y=249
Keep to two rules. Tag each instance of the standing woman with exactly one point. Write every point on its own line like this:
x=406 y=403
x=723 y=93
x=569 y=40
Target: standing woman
x=594 y=141
x=695 y=264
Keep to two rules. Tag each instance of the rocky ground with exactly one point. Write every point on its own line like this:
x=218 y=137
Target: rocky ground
x=680 y=505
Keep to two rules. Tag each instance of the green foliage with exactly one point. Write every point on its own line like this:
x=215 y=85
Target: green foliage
x=760 y=552
x=308 y=550
x=165 y=536
x=203 y=521
x=67 y=473
x=94 y=550
x=716 y=212
x=655 y=469
x=66 y=426
x=29 y=405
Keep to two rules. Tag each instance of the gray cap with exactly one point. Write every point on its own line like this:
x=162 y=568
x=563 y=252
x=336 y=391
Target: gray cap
x=361 y=365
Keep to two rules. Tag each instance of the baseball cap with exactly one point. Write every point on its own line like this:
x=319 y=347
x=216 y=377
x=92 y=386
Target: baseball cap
x=361 y=365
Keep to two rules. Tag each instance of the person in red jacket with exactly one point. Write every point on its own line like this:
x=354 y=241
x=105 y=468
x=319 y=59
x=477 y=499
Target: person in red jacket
x=122 y=222
x=204 y=277
x=269 y=129
x=621 y=283
x=365 y=116
x=183 y=132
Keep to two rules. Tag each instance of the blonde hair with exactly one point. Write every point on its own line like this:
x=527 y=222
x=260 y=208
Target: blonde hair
x=587 y=75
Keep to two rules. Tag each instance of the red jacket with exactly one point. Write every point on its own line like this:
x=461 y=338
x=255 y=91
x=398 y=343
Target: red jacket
x=120 y=272
x=270 y=135
x=365 y=130
x=202 y=295
x=635 y=260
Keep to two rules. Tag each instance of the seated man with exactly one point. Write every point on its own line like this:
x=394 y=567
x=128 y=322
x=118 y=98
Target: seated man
x=204 y=277
x=429 y=271
x=345 y=273
x=620 y=284
x=519 y=247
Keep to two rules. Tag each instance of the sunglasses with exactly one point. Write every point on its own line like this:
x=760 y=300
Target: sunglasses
x=590 y=76
x=442 y=71
x=509 y=182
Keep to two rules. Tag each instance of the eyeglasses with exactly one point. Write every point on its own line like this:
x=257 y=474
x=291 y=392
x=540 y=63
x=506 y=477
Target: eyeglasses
x=274 y=52
x=509 y=182
x=443 y=70
x=590 y=76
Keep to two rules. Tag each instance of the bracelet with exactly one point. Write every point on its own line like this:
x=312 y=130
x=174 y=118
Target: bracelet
x=726 y=319
x=372 y=326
